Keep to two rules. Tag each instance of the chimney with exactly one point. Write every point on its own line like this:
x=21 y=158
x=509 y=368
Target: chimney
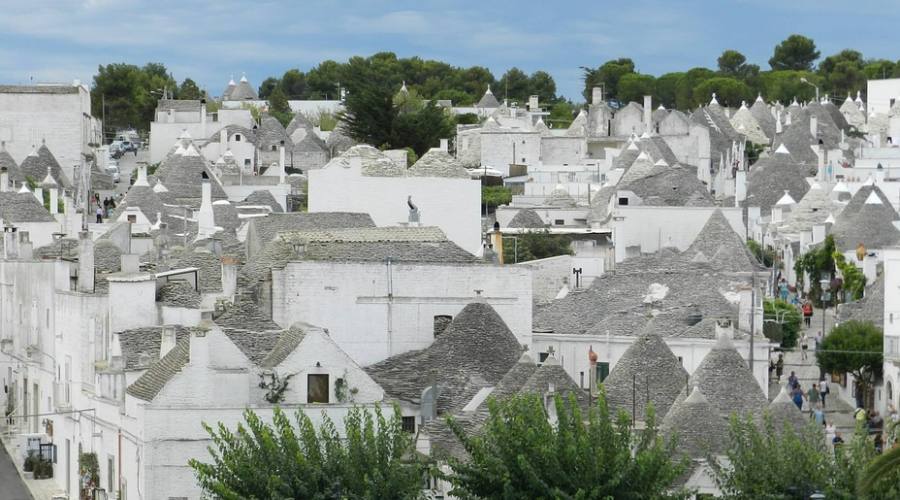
x=4 y=174
x=203 y=117
x=130 y=263
x=26 y=249
x=223 y=141
x=229 y=276
x=199 y=349
x=533 y=104
x=648 y=110
x=39 y=194
x=820 y=160
x=281 y=171
x=206 y=218
x=54 y=201
x=596 y=95
x=778 y=127
x=142 y=176
x=445 y=145
x=740 y=187
x=818 y=233
x=167 y=340
x=85 y=262
x=497 y=242
x=814 y=126
x=10 y=243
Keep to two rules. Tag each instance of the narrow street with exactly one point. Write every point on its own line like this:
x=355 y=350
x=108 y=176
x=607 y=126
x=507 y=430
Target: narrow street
x=837 y=410
x=11 y=485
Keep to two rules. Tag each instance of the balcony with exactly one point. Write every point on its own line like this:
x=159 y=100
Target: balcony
x=62 y=395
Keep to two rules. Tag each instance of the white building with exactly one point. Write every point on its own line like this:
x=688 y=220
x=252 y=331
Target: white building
x=436 y=191
x=58 y=115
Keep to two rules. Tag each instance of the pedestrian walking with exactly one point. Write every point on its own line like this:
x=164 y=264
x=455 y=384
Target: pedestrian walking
x=818 y=415
x=812 y=395
x=807 y=313
x=797 y=396
x=823 y=391
x=804 y=345
x=779 y=367
x=860 y=417
x=783 y=289
x=837 y=441
x=99 y=214
x=818 y=339
x=793 y=381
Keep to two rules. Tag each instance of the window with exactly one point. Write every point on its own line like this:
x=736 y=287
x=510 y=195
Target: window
x=623 y=201
x=889 y=389
x=409 y=425
x=237 y=137
x=602 y=371
x=316 y=388
x=247 y=162
x=559 y=222
x=542 y=357
x=681 y=360
x=132 y=219
x=274 y=147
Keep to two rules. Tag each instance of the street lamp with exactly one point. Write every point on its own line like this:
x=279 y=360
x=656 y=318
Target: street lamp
x=804 y=80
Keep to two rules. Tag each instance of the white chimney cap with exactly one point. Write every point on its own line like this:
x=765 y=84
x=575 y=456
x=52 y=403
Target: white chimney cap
x=713 y=100
x=873 y=199
x=782 y=149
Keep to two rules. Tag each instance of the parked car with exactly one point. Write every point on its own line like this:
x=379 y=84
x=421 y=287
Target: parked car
x=113 y=170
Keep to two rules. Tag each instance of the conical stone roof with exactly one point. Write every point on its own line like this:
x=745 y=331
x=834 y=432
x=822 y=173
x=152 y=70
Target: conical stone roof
x=475 y=351
x=698 y=427
x=744 y=122
x=438 y=163
x=872 y=225
x=771 y=176
x=488 y=100
x=527 y=219
x=726 y=381
x=719 y=241
x=763 y=115
x=550 y=377
x=648 y=370
x=783 y=411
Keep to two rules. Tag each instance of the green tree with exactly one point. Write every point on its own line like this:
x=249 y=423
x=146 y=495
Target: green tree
x=520 y=454
x=293 y=83
x=541 y=84
x=729 y=91
x=561 y=115
x=844 y=72
x=494 y=196
x=189 y=90
x=853 y=347
x=817 y=264
x=267 y=86
x=288 y=459
x=607 y=76
x=535 y=245
x=634 y=86
x=323 y=80
x=880 y=477
x=126 y=95
x=514 y=85
x=423 y=129
x=731 y=63
x=796 y=52
x=684 y=89
x=777 y=461
x=278 y=106
x=666 y=89
x=765 y=256
x=879 y=69
x=781 y=322
x=784 y=86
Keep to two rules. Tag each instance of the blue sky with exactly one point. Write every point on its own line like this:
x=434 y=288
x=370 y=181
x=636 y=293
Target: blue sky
x=61 y=40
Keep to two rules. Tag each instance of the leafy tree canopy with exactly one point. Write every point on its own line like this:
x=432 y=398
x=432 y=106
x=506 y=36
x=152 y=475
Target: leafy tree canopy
x=294 y=459
x=853 y=347
x=522 y=455
x=127 y=94
x=729 y=91
x=796 y=52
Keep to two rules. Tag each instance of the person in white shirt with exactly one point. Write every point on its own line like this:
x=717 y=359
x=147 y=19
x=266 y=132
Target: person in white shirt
x=823 y=390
